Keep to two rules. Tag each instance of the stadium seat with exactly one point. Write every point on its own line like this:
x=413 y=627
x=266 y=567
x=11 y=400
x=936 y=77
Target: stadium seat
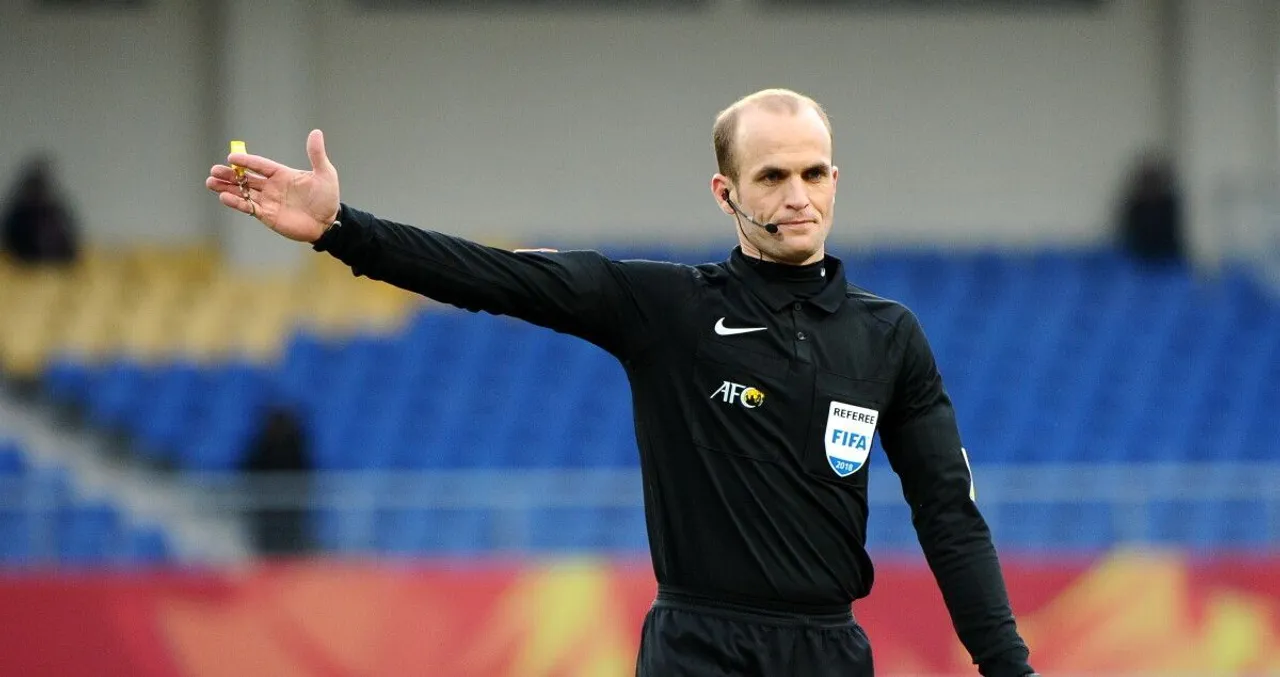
x=18 y=538
x=44 y=520
x=889 y=528
x=67 y=380
x=436 y=532
x=148 y=546
x=626 y=530
x=117 y=394
x=13 y=464
x=163 y=420
x=1051 y=357
x=89 y=534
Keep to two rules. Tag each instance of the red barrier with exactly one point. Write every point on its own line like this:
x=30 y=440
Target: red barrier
x=1124 y=614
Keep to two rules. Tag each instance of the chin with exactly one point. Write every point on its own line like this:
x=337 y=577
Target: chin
x=797 y=251
x=795 y=254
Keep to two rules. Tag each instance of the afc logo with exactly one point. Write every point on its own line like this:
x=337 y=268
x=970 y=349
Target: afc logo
x=749 y=397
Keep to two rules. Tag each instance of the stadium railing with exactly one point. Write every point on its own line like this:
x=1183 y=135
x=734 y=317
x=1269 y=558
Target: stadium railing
x=1041 y=507
x=44 y=523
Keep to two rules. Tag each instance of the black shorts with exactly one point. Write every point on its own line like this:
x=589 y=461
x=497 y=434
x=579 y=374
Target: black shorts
x=684 y=637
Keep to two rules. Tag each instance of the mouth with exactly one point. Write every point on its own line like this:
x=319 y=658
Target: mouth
x=795 y=223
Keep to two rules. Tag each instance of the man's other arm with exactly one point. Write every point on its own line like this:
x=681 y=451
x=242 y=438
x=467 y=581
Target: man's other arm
x=615 y=305
x=922 y=442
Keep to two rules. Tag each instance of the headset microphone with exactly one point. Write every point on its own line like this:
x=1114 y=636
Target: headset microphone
x=771 y=227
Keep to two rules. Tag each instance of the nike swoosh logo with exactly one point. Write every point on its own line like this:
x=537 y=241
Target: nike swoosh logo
x=730 y=331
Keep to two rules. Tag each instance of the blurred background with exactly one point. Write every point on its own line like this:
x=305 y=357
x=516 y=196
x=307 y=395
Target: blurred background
x=221 y=453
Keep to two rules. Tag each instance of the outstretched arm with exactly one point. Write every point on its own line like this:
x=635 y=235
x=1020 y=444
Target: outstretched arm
x=922 y=442
x=616 y=305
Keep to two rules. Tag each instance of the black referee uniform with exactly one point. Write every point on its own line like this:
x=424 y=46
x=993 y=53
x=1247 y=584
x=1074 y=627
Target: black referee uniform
x=757 y=388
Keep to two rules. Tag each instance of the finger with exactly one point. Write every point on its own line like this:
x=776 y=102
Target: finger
x=315 y=152
x=238 y=203
x=238 y=197
x=257 y=163
x=219 y=186
x=225 y=173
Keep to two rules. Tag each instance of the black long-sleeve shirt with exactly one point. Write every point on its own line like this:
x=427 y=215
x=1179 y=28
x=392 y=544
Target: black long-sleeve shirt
x=754 y=410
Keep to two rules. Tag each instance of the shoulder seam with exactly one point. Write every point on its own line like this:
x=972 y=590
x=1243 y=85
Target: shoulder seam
x=852 y=292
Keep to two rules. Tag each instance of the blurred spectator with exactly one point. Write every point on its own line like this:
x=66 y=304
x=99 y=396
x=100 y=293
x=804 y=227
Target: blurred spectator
x=281 y=446
x=1151 y=212
x=38 y=226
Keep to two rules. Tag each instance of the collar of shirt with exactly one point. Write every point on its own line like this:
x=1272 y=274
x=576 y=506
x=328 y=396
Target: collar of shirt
x=776 y=297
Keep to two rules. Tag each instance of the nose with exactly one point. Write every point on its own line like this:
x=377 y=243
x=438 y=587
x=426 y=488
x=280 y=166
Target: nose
x=797 y=195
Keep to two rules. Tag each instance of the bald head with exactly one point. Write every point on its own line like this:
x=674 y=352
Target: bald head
x=725 y=133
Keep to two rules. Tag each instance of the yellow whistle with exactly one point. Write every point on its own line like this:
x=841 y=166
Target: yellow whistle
x=238 y=147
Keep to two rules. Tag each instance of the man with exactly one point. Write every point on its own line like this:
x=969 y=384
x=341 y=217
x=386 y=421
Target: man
x=757 y=383
x=38 y=228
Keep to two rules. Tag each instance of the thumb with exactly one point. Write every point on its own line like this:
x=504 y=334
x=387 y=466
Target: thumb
x=315 y=151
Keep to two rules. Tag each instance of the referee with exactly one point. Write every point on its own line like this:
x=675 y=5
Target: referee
x=757 y=382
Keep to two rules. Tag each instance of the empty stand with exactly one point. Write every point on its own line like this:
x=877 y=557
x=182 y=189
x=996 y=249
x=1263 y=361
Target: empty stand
x=1051 y=358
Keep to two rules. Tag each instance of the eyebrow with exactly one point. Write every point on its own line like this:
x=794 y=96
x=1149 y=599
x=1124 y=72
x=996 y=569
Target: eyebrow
x=821 y=166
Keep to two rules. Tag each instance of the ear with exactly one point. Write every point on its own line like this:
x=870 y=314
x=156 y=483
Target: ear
x=719 y=187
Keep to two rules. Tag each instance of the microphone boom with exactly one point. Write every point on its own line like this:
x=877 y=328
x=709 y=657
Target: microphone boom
x=771 y=228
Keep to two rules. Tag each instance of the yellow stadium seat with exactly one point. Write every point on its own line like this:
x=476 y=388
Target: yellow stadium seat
x=162 y=303
x=35 y=299
x=94 y=294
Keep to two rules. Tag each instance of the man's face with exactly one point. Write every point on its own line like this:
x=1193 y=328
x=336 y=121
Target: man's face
x=785 y=176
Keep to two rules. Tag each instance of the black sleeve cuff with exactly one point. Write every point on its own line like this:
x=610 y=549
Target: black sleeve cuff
x=1011 y=664
x=340 y=235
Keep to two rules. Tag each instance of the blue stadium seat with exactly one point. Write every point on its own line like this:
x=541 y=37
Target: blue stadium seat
x=349 y=529
x=231 y=406
x=889 y=527
x=148 y=546
x=302 y=375
x=18 y=536
x=1235 y=525
x=1050 y=357
x=67 y=381
x=164 y=419
x=435 y=532
x=50 y=485
x=89 y=534
x=1047 y=526
x=44 y=520
x=1170 y=523
x=562 y=529
x=13 y=463
x=626 y=530
x=118 y=391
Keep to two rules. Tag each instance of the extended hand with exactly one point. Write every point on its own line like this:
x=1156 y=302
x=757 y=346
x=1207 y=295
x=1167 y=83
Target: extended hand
x=298 y=204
